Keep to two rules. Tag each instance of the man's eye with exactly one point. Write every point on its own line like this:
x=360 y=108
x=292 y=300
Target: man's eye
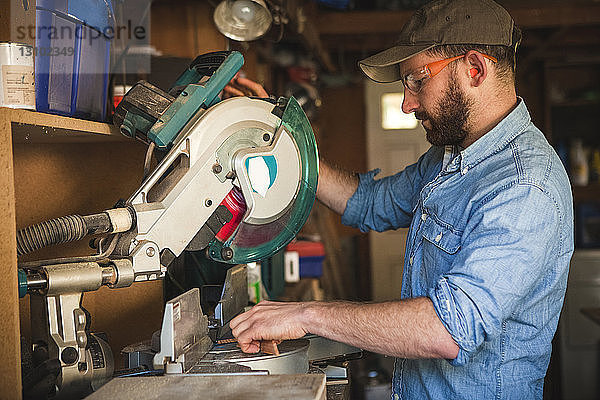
x=416 y=83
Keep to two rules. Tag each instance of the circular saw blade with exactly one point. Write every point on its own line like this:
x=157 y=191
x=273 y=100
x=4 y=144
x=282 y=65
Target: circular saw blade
x=275 y=215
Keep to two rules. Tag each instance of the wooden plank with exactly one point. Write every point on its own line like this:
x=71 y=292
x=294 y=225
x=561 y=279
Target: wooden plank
x=526 y=16
x=257 y=387
x=269 y=347
x=361 y=22
x=10 y=371
x=35 y=127
x=266 y=346
x=555 y=14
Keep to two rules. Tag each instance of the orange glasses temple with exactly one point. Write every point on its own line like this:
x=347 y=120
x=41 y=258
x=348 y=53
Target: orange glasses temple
x=432 y=69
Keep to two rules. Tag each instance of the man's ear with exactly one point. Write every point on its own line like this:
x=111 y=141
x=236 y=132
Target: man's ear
x=478 y=68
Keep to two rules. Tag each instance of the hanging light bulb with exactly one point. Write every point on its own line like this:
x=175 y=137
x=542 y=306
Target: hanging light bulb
x=243 y=11
x=243 y=20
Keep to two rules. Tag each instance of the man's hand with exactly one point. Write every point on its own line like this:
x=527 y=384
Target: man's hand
x=269 y=320
x=240 y=86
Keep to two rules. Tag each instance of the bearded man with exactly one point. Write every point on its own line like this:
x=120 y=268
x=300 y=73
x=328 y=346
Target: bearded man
x=490 y=213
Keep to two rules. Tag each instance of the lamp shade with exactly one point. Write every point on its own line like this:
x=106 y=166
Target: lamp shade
x=243 y=20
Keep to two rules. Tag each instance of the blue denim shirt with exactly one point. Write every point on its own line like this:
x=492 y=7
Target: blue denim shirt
x=490 y=239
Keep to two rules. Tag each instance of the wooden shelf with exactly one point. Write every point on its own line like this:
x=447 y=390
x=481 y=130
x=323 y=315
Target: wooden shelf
x=53 y=166
x=525 y=16
x=35 y=127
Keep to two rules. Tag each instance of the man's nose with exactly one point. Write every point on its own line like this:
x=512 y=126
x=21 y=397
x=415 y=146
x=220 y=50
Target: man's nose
x=410 y=103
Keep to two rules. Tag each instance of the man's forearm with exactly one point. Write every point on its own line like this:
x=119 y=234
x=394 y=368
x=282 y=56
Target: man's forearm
x=408 y=328
x=335 y=186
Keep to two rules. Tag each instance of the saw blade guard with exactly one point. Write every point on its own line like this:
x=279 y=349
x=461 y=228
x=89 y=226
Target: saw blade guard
x=258 y=238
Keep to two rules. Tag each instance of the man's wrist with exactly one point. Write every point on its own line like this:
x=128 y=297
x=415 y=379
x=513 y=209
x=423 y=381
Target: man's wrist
x=309 y=316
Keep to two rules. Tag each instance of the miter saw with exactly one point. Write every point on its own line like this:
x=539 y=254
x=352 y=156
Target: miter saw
x=238 y=179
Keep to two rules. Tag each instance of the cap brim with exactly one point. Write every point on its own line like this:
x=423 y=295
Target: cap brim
x=383 y=67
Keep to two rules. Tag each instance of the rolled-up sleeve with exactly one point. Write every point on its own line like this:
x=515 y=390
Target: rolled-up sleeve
x=387 y=203
x=509 y=246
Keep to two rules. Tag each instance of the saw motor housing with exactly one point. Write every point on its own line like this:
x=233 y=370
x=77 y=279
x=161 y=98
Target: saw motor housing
x=261 y=148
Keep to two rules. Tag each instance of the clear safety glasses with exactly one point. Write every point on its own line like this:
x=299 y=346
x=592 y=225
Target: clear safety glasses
x=416 y=80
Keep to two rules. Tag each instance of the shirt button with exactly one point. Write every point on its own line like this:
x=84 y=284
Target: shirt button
x=438 y=237
x=396 y=397
x=410 y=260
x=465 y=170
x=423 y=217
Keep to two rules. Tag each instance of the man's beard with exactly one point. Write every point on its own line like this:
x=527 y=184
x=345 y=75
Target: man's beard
x=448 y=127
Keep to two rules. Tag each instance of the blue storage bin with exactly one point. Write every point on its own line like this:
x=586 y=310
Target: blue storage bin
x=72 y=57
x=311 y=267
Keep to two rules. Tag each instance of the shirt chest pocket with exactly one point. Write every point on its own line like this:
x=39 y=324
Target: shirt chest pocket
x=439 y=247
x=440 y=236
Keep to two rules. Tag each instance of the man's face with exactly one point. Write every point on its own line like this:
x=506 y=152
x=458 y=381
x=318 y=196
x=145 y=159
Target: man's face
x=446 y=119
x=442 y=106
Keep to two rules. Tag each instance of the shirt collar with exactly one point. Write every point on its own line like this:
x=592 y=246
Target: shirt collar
x=497 y=138
x=450 y=152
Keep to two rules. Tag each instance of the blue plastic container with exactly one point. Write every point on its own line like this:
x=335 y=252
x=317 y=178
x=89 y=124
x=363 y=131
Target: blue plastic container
x=72 y=57
x=311 y=267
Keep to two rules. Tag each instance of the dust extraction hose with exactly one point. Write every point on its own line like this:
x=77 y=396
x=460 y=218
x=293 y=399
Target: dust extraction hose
x=70 y=228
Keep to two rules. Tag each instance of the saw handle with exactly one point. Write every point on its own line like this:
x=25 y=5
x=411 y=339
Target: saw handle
x=203 y=66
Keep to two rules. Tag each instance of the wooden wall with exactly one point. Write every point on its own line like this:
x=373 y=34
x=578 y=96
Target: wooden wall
x=341 y=138
x=57 y=179
x=13 y=16
x=186 y=29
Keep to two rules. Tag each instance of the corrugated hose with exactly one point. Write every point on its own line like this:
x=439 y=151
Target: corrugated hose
x=65 y=229
x=55 y=231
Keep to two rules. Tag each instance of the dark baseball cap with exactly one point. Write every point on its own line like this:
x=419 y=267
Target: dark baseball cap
x=442 y=22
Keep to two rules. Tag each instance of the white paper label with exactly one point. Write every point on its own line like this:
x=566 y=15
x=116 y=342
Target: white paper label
x=18 y=82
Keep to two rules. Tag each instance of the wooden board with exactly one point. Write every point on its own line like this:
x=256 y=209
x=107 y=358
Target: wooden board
x=257 y=387
x=10 y=371
x=35 y=127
